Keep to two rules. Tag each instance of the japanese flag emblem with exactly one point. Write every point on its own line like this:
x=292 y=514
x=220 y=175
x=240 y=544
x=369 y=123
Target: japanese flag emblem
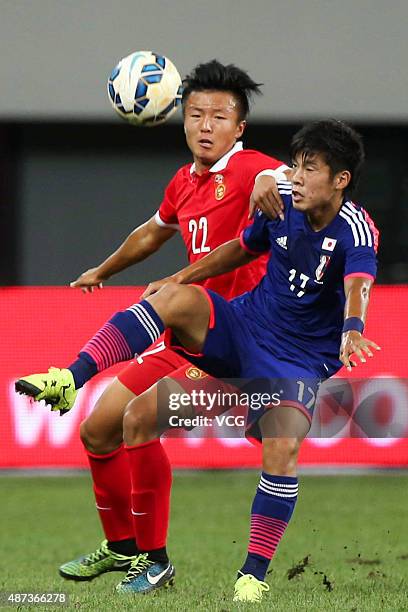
x=329 y=244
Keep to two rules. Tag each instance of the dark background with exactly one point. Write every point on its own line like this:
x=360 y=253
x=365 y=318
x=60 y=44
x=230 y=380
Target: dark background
x=71 y=192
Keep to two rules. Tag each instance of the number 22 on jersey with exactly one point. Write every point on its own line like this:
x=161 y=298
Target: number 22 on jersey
x=199 y=231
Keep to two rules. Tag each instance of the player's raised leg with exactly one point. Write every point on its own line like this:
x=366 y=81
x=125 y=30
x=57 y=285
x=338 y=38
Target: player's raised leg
x=283 y=429
x=183 y=308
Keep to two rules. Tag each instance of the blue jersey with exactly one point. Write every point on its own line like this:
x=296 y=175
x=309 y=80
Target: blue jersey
x=301 y=298
x=284 y=336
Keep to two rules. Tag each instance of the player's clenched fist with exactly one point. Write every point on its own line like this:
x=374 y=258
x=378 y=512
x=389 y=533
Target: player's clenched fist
x=354 y=343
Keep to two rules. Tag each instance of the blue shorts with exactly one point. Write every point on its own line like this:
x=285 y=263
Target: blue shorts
x=231 y=351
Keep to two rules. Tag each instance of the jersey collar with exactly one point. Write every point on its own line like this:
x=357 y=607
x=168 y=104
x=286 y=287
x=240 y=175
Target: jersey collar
x=221 y=164
x=328 y=227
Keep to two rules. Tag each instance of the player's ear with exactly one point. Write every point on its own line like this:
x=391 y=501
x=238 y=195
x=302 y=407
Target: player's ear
x=343 y=179
x=240 y=129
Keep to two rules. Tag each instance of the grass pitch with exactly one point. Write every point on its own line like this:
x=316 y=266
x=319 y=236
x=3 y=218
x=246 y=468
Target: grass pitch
x=346 y=548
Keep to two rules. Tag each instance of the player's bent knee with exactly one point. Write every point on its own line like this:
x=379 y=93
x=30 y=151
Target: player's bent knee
x=96 y=442
x=140 y=420
x=178 y=300
x=285 y=447
x=280 y=455
x=101 y=432
x=171 y=293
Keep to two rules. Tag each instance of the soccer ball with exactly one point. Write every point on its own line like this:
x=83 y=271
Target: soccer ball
x=145 y=88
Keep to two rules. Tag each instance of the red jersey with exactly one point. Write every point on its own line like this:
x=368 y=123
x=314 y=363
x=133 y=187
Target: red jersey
x=212 y=208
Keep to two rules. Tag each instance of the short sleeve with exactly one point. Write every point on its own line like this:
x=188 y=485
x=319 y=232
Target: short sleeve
x=249 y=164
x=255 y=237
x=166 y=216
x=360 y=261
x=361 y=242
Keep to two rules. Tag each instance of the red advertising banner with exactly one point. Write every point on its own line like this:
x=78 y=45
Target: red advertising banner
x=43 y=326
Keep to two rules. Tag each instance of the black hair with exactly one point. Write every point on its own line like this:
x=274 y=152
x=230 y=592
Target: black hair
x=216 y=76
x=339 y=143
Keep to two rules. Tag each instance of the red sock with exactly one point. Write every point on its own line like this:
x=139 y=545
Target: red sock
x=150 y=473
x=111 y=478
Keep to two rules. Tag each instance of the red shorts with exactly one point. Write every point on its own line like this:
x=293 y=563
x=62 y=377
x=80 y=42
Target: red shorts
x=159 y=361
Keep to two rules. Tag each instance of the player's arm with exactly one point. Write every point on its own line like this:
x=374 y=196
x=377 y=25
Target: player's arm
x=223 y=259
x=357 y=290
x=142 y=242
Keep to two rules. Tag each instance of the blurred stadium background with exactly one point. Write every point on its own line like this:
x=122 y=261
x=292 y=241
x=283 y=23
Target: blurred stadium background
x=74 y=180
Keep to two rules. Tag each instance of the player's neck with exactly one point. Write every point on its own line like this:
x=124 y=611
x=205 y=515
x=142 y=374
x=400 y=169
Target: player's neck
x=320 y=217
x=200 y=167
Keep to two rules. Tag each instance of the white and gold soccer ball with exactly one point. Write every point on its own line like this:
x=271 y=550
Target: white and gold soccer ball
x=145 y=88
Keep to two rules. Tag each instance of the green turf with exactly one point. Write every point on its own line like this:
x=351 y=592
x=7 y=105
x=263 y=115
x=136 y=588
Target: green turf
x=353 y=531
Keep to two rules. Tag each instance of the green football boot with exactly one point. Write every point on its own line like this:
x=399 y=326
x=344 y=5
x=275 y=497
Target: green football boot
x=96 y=563
x=250 y=589
x=146 y=575
x=56 y=387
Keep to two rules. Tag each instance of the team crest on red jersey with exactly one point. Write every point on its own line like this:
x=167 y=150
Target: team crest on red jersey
x=220 y=191
x=194 y=373
x=220 y=187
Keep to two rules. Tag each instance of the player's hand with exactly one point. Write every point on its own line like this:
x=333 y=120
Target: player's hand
x=353 y=343
x=88 y=281
x=266 y=197
x=156 y=285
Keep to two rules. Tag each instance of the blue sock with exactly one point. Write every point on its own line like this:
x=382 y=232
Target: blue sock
x=271 y=511
x=125 y=335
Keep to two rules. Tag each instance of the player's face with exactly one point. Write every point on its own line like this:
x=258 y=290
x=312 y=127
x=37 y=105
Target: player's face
x=314 y=185
x=212 y=125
